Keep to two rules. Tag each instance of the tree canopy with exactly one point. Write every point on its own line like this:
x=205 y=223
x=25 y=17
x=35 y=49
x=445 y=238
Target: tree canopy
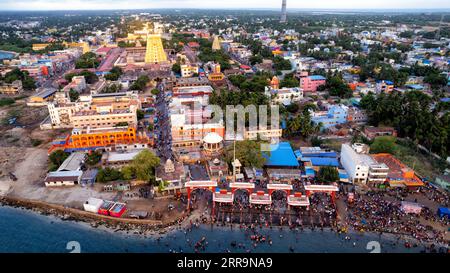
x=248 y=152
x=328 y=174
x=56 y=159
x=87 y=60
x=144 y=165
x=140 y=83
x=383 y=144
x=28 y=82
x=411 y=115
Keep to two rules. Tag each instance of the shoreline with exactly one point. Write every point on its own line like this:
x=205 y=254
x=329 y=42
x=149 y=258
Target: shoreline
x=126 y=226
x=15 y=54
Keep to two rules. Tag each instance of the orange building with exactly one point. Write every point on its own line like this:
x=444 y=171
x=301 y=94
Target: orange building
x=91 y=139
x=275 y=83
x=217 y=75
x=84 y=138
x=399 y=174
x=355 y=85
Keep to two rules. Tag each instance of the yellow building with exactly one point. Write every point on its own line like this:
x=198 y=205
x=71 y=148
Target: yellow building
x=216 y=44
x=37 y=47
x=155 y=50
x=83 y=45
x=12 y=88
x=216 y=75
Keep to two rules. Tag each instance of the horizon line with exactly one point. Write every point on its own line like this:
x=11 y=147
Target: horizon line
x=389 y=10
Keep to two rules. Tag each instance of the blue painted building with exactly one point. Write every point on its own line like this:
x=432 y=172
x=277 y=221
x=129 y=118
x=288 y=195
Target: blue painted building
x=336 y=114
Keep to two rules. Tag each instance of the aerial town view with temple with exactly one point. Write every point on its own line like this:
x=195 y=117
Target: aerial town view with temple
x=126 y=119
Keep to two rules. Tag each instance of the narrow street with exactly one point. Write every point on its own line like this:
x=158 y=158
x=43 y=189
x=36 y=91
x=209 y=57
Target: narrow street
x=162 y=126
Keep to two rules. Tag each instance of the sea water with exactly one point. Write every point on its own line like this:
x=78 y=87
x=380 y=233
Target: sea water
x=23 y=231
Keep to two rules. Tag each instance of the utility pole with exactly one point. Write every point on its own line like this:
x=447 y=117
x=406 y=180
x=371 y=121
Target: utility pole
x=234 y=160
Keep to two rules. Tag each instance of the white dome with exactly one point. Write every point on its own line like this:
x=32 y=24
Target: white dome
x=212 y=138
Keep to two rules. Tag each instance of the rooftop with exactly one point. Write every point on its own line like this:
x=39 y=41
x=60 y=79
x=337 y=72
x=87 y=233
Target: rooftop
x=73 y=162
x=317 y=77
x=281 y=154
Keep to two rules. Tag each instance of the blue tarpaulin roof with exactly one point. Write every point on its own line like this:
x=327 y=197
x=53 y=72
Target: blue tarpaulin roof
x=324 y=161
x=317 y=77
x=444 y=212
x=310 y=172
x=343 y=175
x=281 y=154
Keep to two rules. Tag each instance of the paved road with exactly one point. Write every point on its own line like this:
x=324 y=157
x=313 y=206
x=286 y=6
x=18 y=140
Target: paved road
x=191 y=55
x=163 y=127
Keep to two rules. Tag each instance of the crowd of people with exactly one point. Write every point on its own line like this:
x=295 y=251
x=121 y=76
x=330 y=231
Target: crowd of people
x=373 y=212
x=376 y=211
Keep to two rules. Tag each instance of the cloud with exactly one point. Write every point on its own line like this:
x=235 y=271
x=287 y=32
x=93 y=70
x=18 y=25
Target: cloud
x=150 y=4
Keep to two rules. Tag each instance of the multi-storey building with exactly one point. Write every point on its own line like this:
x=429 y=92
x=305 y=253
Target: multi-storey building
x=95 y=111
x=287 y=96
x=264 y=134
x=77 y=84
x=311 y=83
x=85 y=139
x=188 y=70
x=361 y=167
x=336 y=114
x=385 y=87
x=356 y=115
x=190 y=116
x=13 y=88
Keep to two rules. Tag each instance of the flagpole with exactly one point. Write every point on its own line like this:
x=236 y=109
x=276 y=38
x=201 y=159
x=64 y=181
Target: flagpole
x=234 y=160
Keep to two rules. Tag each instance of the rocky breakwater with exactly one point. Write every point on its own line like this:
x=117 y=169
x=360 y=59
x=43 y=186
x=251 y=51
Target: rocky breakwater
x=125 y=225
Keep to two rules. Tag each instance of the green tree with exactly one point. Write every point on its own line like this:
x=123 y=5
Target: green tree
x=384 y=144
x=256 y=59
x=108 y=175
x=280 y=63
x=140 y=114
x=93 y=158
x=328 y=174
x=337 y=87
x=128 y=173
x=140 y=83
x=56 y=159
x=28 y=82
x=87 y=60
x=114 y=74
x=89 y=76
x=176 y=68
x=436 y=80
x=289 y=81
x=73 y=95
x=301 y=125
x=144 y=165
x=248 y=152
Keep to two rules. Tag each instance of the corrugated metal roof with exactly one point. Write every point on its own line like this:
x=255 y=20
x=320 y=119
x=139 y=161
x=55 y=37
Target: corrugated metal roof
x=281 y=155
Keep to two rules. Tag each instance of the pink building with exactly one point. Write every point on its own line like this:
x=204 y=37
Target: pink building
x=311 y=83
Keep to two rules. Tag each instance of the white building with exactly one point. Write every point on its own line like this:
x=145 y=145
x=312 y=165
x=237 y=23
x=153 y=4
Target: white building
x=287 y=96
x=188 y=70
x=361 y=167
x=62 y=178
x=93 y=205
